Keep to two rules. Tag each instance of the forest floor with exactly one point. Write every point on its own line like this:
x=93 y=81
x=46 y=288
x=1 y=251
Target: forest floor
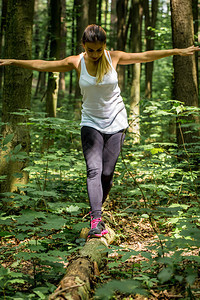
x=133 y=234
x=140 y=236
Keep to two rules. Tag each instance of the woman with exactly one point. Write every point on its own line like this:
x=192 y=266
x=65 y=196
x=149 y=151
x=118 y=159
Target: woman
x=104 y=118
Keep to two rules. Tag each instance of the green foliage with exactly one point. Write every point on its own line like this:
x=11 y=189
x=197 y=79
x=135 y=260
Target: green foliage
x=157 y=182
x=160 y=184
x=128 y=286
x=42 y=219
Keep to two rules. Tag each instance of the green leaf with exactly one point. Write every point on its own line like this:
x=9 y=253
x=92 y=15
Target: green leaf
x=127 y=255
x=191 y=278
x=17 y=148
x=165 y=274
x=72 y=208
x=54 y=222
x=156 y=150
x=41 y=292
x=5 y=234
x=147 y=255
x=145 y=216
x=113 y=264
x=128 y=286
x=17 y=280
x=179 y=278
x=8 y=139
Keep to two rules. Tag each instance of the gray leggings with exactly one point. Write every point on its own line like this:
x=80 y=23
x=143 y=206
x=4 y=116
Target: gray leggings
x=101 y=152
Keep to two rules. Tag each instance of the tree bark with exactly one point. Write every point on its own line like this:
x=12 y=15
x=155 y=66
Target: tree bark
x=92 y=11
x=99 y=11
x=73 y=42
x=16 y=93
x=76 y=284
x=81 y=23
x=36 y=35
x=63 y=35
x=195 y=8
x=121 y=8
x=113 y=26
x=136 y=17
x=41 y=82
x=185 y=73
x=53 y=78
x=105 y=14
x=2 y=31
x=150 y=21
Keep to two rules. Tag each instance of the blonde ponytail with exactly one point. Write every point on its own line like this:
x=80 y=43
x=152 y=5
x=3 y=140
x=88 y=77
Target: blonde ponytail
x=103 y=68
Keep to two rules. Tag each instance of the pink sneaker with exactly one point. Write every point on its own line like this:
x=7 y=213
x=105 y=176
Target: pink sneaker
x=98 y=228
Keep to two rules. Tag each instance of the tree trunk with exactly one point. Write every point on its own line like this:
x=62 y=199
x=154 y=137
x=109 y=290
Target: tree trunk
x=99 y=11
x=92 y=11
x=63 y=44
x=195 y=8
x=3 y=24
x=113 y=26
x=121 y=8
x=81 y=23
x=185 y=73
x=36 y=39
x=16 y=93
x=105 y=14
x=52 y=88
x=41 y=82
x=150 y=21
x=73 y=41
x=76 y=284
x=136 y=17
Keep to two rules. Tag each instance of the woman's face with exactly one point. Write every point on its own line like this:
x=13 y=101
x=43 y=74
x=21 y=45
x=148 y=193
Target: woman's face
x=94 y=50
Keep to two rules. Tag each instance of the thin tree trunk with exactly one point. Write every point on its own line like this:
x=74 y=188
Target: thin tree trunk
x=16 y=93
x=185 y=72
x=63 y=44
x=99 y=11
x=41 y=83
x=36 y=41
x=92 y=11
x=82 y=22
x=113 y=26
x=136 y=17
x=72 y=46
x=52 y=88
x=105 y=14
x=121 y=9
x=3 y=24
x=195 y=8
x=150 y=21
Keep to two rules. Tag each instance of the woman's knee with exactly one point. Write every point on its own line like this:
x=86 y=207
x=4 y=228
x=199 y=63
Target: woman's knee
x=107 y=177
x=93 y=173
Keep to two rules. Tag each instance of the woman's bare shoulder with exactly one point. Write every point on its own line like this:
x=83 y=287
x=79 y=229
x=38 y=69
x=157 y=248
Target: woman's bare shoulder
x=115 y=56
x=74 y=60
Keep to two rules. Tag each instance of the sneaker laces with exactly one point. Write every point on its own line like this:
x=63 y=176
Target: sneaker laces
x=94 y=222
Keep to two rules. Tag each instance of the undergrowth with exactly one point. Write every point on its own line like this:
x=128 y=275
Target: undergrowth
x=156 y=183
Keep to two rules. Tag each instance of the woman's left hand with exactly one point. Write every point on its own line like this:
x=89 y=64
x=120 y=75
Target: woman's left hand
x=189 y=51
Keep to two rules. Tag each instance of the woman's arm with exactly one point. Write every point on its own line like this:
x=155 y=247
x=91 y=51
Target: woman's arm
x=123 y=58
x=63 y=65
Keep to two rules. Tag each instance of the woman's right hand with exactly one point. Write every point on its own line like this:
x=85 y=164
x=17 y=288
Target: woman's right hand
x=6 y=62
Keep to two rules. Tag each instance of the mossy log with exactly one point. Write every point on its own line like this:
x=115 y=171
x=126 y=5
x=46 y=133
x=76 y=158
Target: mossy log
x=76 y=284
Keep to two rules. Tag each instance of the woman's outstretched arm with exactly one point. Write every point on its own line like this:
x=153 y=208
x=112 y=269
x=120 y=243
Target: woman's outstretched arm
x=123 y=58
x=63 y=65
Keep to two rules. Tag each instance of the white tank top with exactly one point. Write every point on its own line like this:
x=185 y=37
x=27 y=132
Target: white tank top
x=103 y=107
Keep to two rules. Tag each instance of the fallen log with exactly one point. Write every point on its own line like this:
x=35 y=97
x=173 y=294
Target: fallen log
x=76 y=284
